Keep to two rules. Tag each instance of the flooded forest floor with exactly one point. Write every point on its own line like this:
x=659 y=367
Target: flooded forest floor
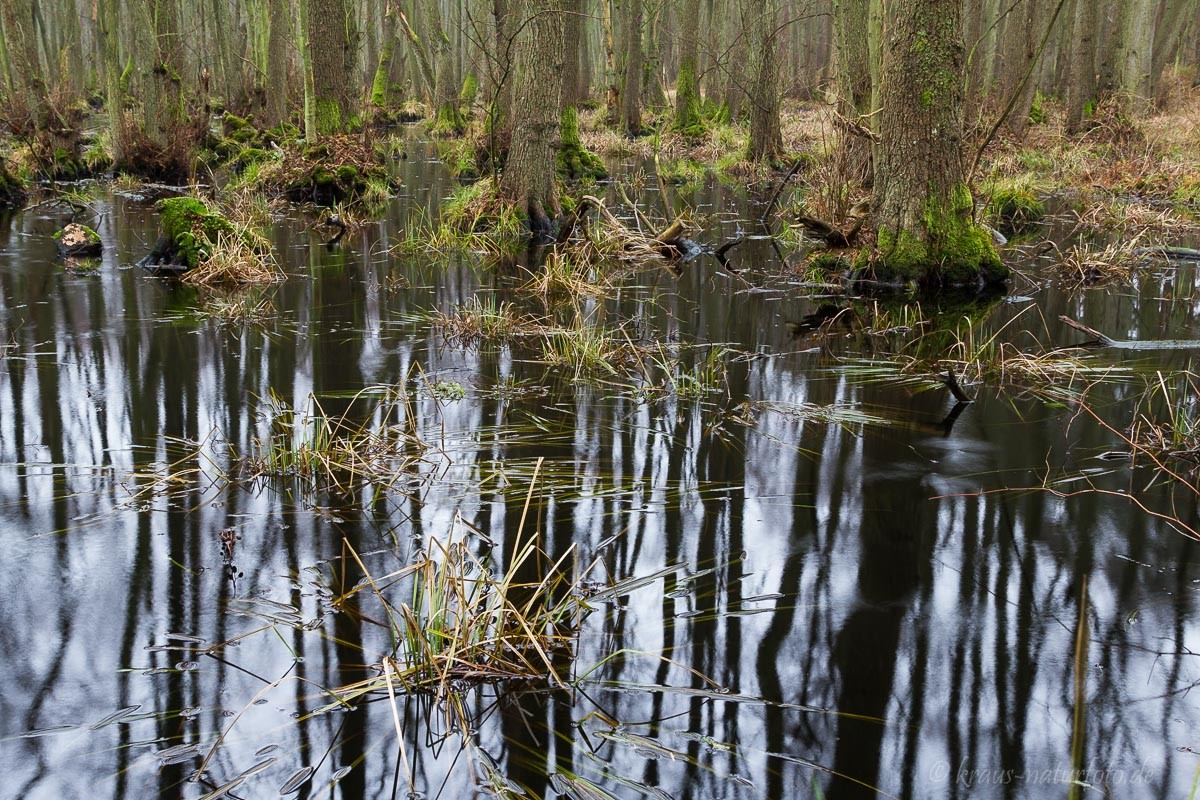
x=412 y=512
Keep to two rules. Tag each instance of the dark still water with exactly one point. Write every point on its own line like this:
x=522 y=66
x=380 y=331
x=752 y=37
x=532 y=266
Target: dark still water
x=839 y=601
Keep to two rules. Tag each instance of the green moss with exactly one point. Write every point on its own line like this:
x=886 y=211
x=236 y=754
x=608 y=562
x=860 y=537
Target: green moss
x=190 y=229
x=379 y=86
x=689 y=117
x=954 y=250
x=328 y=116
x=575 y=162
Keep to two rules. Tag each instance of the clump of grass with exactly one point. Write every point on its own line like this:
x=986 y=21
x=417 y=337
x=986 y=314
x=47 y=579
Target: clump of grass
x=464 y=623
x=703 y=378
x=565 y=273
x=479 y=208
x=1168 y=427
x=473 y=217
x=335 y=451
x=237 y=308
x=1014 y=202
x=233 y=259
x=588 y=348
x=1089 y=265
x=484 y=320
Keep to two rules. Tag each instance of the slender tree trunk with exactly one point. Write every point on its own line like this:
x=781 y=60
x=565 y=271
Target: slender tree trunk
x=572 y=41
x=1032 y=23
x=854 y=84
x=1082 y=84
x=923 y=208
x=766 y=139
x=529 y=179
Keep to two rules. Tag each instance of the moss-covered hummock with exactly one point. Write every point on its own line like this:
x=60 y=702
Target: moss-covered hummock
x=953 y=252
x=190 y=230
x=78 y=241
x=575 y=162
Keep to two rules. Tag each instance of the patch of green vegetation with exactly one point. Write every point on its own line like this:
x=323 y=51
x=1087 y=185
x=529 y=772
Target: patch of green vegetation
x=1037 y=111
x=446 y=391
x=1188 y=190
x=459 y=157
x=683 y=171
x=1036 y=161
x=1014 y=202
x=97 y=155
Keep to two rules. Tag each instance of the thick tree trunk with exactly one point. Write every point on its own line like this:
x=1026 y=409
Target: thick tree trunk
x=766 y=140
x=330 y=55
x=1136 y=54
x=529 y=179
x=24 y=70
x=923 y=208
x=1081 y=87
x=279 y=22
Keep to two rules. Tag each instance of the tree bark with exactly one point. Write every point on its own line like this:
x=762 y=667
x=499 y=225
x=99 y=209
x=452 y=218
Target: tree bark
x=687 y=88
x=1136 y=54
x=766 y=139
x=529 y=179
x=1081 y=86
x=923 y=208
x=330 y=55
x=631 y=88
x=279 y=22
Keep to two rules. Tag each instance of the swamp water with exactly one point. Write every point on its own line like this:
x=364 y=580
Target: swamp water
x=836 y=604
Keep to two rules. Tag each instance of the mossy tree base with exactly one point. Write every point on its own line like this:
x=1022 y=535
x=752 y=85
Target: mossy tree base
x=948 y=249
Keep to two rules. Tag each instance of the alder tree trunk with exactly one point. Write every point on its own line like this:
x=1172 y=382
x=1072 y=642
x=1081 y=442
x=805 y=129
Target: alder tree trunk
x=923 y=207
x=530 y=180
